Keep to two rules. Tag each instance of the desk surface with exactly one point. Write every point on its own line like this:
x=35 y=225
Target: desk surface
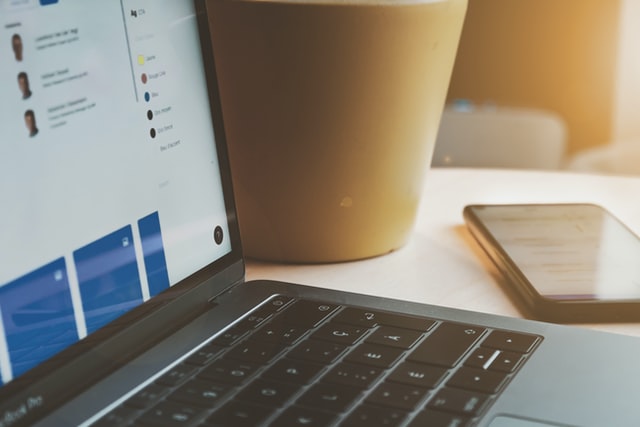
x=442 y=264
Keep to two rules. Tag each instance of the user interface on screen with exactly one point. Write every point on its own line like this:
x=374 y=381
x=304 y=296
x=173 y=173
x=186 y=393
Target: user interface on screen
x=110 y=191
x=568 y=251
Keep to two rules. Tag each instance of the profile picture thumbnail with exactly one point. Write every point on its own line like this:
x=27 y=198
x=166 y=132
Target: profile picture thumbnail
x=16 y=45
x=23 y=85
x=30 y=122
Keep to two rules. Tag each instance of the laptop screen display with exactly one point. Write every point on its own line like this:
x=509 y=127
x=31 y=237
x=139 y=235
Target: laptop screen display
x=102 y=105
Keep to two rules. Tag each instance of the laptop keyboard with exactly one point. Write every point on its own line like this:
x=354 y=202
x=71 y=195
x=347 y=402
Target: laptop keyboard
x=309 y=363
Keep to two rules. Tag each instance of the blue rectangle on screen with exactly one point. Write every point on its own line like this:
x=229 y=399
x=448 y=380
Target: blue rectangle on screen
x=37 y=314
x=46 y=2
x=108 y=277
x=153 y=250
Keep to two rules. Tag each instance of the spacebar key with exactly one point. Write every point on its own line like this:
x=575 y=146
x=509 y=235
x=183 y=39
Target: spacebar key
x=446 y=345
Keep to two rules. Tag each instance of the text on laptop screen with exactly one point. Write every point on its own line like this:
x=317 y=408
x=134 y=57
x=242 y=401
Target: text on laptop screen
x=103 y=105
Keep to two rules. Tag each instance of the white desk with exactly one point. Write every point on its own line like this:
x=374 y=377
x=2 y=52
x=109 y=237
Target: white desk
x=442 y=264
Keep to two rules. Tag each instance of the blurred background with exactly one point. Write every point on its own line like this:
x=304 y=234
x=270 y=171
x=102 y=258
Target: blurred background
x=549 y=84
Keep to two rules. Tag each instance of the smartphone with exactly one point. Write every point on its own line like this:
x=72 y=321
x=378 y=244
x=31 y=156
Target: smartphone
x=562 y=262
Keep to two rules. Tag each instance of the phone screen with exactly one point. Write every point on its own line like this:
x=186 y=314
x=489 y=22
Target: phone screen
x=567 y=252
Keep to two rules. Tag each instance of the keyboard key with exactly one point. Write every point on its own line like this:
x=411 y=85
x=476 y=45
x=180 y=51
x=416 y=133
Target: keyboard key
x=482 y=358
x=329 y=397
x=433 y=418
x=511 y=341
x=374 y=355
x=255 y=351
x=506 y=362
x=120 y=416
x=200 y=393
x=317 y=351
x=463 y=402
x=170 y=414
x=421 y=324
x=239 y=414
x=371 y=416
x=267 y=392
x=477 y=380
x=307 y=313
x=176 y=375
x=275 y=304
x=358 y=317
x=446 y=345
x=298 y=416
x=494 y=360
x=279 y=302
x=228 y=371
x=395 y=337
x=252 y=321
x=256 y=318
x=339 y=333
x=359 y=376
x=397 y=395
x=417 y=374
x=372 y=318
x=204 y=356
x=293 y=371
x=230 y=336
x=280 y=331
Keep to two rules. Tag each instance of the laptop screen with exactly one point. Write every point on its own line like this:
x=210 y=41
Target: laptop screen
x=106 y=154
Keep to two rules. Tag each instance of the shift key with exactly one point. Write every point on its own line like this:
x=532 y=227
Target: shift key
x=447 y=344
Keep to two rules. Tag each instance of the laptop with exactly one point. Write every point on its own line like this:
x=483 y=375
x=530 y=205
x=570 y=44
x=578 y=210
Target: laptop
x=122 y=292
